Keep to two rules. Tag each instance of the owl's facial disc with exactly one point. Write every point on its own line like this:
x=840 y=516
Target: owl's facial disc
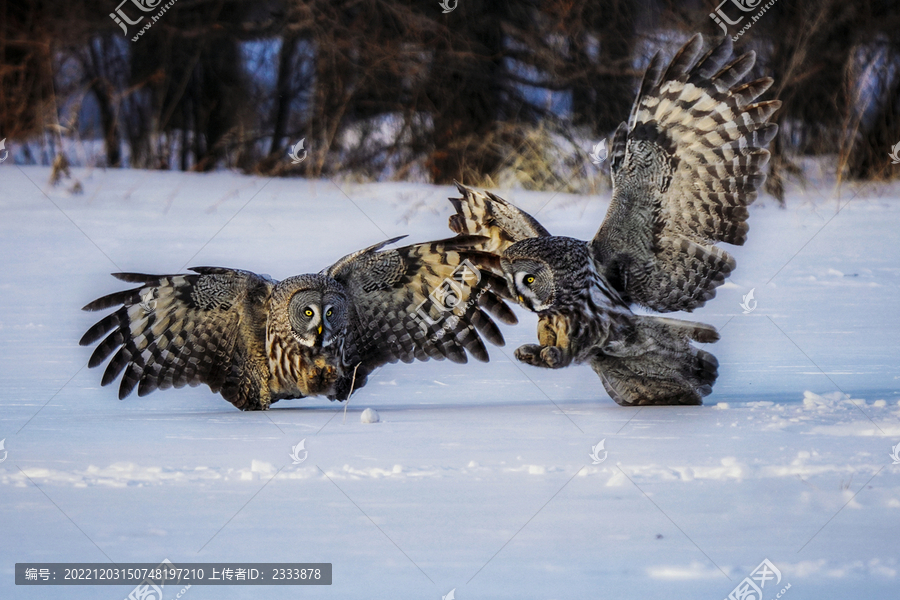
x=305 y=315
x=317 y=311
x=309 y=328
x=531 y=286
x=327 y=331
x=334 y=318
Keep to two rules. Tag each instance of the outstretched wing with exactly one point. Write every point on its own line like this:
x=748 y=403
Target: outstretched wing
x=490 y=216
x=177 y=330
x=684 y=167
x=419 y=302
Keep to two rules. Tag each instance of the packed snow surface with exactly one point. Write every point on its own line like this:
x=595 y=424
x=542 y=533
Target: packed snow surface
x=486 y=479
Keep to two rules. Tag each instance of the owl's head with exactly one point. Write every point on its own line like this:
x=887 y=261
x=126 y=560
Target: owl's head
x=544 y=273
x=315 y=307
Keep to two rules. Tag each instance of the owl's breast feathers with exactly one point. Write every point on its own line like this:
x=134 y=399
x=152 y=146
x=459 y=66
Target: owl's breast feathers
x=297 y=371
x=586 y=324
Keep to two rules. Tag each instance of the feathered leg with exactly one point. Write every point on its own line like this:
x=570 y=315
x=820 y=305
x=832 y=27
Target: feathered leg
x=656 y=364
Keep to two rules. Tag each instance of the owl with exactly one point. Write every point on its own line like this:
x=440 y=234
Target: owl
x=684 y=167
x=256 y=341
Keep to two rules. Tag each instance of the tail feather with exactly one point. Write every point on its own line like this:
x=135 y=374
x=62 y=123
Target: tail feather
x=657 y=364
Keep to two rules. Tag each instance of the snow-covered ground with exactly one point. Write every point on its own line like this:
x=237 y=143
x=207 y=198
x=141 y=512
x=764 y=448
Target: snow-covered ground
x=478 y=477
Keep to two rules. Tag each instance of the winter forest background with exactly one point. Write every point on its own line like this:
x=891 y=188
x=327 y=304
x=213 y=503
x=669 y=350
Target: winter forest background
x=492 y=93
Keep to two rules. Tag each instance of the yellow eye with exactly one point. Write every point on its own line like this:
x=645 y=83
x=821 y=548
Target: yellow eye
x=529 y=280
x=308 y=312
x=329 y=313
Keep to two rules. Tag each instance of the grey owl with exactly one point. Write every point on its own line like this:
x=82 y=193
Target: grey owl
x=257 y=341
x=684 y=167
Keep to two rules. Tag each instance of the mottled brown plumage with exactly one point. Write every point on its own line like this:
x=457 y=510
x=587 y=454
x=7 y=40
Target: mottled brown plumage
x=257 y=341
x=685 y=166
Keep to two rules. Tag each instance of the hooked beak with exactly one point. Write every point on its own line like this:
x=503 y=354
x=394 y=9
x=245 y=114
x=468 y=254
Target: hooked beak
x=320 y=329
x=521 y=300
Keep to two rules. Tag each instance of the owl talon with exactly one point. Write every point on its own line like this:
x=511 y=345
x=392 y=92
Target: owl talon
x=530 y=354
x=552 y=357
x=548 y=357
x=327 y=375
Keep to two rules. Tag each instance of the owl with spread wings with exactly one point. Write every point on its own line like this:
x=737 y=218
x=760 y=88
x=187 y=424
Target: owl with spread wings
x=256 y=341
x=684 y=168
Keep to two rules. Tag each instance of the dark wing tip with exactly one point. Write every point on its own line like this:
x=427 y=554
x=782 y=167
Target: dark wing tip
x=92 y=306
x=209 y=270
x=136 y=277
x=114 y=299
x=393 y=240
x=463 y=241
x=96 y=331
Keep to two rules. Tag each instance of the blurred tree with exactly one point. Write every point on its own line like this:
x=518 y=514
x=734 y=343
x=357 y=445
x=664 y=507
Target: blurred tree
x=26 y=72
x=603 y=38
x=101 y=62
x=875 y=73
x=466 y=90
x=193 y=67
x=398 y=88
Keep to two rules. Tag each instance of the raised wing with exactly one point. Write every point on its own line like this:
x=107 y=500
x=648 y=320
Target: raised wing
x=177 y=330
x=490 y=216
x=419 y=302
x=684 y=167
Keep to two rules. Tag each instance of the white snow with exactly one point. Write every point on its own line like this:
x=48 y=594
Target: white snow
x=369 y=416
x=479 y=477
